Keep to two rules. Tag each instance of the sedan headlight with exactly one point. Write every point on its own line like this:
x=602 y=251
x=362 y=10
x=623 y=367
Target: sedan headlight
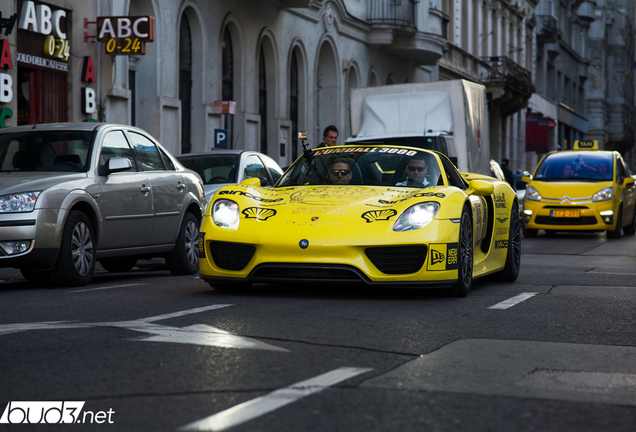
x=225 y=213
x=417 y=216
x=532 y=194
x=17 y=203
x=605 y=194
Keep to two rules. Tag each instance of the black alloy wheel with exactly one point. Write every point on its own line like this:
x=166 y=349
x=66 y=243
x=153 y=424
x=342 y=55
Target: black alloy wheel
x=464 y=257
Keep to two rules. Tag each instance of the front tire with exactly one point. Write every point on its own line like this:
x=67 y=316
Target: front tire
x=513 y=257
x=616 y=232
x=631 y=228
x=464 y=257
x=184 y=258
x=529 y=233
x=75 y=263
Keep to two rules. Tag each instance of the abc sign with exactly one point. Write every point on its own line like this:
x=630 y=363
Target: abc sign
x=121 y=27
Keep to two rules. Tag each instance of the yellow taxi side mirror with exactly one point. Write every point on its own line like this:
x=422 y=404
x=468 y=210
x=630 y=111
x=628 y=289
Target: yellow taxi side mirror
x=628 y=181
x=526 y=179
x=480 y=188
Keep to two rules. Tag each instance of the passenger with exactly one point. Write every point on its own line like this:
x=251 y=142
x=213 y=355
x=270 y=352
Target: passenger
x=340 y=172
x=568 y=171
x=603 y=170
x=416 y=170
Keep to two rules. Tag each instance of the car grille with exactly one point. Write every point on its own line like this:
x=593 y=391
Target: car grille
x=304 y=272
x=397 y=259
x=547 y=220
x=231 y=256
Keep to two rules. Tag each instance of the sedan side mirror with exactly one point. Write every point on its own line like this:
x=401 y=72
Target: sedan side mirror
x=115 y=164
x=526 y=178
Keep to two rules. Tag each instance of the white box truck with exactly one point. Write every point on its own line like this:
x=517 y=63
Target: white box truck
x=448 y=116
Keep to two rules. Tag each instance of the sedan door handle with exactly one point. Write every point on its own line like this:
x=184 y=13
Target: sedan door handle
x=181 y=186
x=145 y=189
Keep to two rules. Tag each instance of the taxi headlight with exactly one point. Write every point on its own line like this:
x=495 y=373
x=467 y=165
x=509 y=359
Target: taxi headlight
x=18 y=203
x=225 y=214
x=417 y=216
x=532 y=194
x=605 y=194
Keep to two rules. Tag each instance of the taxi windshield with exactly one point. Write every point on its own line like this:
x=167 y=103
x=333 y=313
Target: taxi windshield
x=378 y=166
x=576 y=166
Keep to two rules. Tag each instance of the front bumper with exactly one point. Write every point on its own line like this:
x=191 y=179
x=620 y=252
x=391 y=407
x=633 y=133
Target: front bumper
x=426 y=258
x=40 y=229
x=593 y=217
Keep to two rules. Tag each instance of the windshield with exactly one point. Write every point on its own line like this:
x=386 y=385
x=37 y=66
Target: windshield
x=379 y=166
x=577 y=166
x=213 y=168
x=428 y=143
x=45 y=151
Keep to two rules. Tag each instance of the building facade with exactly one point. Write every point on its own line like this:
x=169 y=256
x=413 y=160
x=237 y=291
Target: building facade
x=610 y=88
x=287 y=65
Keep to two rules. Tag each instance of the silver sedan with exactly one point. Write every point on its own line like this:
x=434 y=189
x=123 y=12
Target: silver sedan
x=72 y=194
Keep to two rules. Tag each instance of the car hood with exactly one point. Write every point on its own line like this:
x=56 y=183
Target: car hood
x=570 y=189
x=329 y=204
x=16 y=182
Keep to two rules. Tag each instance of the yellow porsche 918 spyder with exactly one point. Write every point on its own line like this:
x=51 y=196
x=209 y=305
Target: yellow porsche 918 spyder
x=584 y=189
x=384 y=215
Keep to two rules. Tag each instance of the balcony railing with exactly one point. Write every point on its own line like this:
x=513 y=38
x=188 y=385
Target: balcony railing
x=547 y=29
x=392 y=12
x=505 y=71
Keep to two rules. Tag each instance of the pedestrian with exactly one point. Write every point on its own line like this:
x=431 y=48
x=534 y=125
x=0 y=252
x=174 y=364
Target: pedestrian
x=329 y=136
x=508 y=175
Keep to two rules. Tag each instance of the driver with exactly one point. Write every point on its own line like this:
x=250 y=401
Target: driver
x=416 y=169
x=340 y=172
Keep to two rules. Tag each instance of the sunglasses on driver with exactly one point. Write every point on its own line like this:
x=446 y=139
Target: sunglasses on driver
x=342 y=172
x=418 y=169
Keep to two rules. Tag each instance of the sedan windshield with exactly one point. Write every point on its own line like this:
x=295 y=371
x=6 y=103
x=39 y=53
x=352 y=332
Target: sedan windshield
x=576 y=166
x=379 y=166
x=213 y=168
x=45 y=151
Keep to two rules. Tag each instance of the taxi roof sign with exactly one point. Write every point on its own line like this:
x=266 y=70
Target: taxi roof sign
x=585 y=145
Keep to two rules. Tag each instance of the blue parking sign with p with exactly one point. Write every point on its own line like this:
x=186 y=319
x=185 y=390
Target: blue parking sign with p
x=220 y=138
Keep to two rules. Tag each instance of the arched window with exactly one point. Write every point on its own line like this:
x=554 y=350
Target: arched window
x=262 y=99
x=293 y=105
x=227 y=81
x=185 y=83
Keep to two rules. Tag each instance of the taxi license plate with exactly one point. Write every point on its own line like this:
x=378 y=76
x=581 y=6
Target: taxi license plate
x=565 y=213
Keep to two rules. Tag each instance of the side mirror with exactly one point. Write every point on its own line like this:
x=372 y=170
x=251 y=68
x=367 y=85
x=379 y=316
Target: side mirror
x=115 y=164
x=480 y=188
x=628 y=181
x=526 y=178
x=453 y=159
x=264 y=181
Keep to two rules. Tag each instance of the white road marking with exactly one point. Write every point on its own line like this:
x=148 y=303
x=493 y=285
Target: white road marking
x=265 y=404
x=201 y=334
x=103 y=288
x=513 y=301
x=197 y=334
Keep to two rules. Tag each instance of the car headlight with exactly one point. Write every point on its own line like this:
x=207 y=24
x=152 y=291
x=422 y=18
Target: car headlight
x=417 y=216
x=532 y=194
x=225 y=213
x=16 y=203
x=605 y=194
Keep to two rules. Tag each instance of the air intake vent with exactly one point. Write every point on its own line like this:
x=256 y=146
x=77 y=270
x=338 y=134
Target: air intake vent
x=397 y=259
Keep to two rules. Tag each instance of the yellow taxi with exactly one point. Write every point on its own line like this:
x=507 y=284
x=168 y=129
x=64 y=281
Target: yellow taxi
x=584 y=189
